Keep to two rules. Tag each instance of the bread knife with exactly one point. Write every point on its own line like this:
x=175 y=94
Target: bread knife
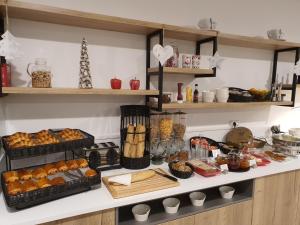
x=165 y=175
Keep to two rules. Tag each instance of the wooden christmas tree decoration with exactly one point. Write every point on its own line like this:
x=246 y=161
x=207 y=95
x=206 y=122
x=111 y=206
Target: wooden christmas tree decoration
x=85 y=80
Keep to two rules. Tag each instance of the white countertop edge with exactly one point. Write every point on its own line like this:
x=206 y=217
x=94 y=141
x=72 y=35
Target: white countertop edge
x=100 y=199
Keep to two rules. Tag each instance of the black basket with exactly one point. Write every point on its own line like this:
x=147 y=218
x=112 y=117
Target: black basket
x=39 y=196
x=135 y=114
x=181 y=174
x=234 y=97
x=19 y=153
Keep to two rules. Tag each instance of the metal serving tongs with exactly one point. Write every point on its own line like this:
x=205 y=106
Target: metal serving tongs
x=73 y=175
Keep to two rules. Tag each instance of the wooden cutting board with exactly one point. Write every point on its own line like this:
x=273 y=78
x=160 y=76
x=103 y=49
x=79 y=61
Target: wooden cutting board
x=154 y=183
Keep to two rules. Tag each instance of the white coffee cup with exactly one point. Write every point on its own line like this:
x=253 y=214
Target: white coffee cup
x=226 y=192
x=207 y=24
x=208 y=96
x=197 y=198
x=275 y=34
x=141 y=212
x=171 y=205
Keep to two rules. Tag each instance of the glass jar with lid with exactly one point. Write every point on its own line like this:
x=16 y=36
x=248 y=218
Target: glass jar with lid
x=166 y=126
x=154 y=127
x=179 y=126
x=40 y=73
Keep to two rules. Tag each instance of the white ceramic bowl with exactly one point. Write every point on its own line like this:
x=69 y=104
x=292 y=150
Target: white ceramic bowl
x=295 y=132
x=226 y=192
x=197 y=198
x=141 y=212
x=171 y=205
x=222 y=100
x=222 y=91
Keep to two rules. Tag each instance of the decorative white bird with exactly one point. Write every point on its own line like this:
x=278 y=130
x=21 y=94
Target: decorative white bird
x=215 y=61
x=9 y=47
x=296 y=69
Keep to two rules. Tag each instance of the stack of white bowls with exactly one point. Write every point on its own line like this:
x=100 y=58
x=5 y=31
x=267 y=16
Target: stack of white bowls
x=222 y=94
x=208 y=96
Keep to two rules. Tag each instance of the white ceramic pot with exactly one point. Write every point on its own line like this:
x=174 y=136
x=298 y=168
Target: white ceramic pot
x=222 y=100
x=222 y=91
x=226 y=192
x=197 y=198
x=171 y=205
x=141 y=212
x=208 y=96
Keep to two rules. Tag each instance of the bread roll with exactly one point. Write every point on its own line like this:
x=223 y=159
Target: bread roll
x=50 y=169
x=90 y=173
x=39 y=173
x=10 y=176
x=140 y=149
x=143 y=175
x=72 y=164
x=61 y=166
x=57 y=181
x=25 y=174
x=132 y=151
x=140 y=132
x=43 y=183
x=14 y=188
x=127 y=150
x=130 y=133
x=82 y=163
x=29 y=185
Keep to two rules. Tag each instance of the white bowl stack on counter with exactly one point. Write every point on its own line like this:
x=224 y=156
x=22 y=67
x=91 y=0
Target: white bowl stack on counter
x=219 y=94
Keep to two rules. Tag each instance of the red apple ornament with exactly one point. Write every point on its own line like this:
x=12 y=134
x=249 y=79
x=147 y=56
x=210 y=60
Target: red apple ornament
x=115 y=83
x=134 y=84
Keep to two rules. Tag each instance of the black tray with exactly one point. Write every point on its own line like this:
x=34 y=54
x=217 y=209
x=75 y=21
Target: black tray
x=19 y=153
x=239 y=98
x=39 y=196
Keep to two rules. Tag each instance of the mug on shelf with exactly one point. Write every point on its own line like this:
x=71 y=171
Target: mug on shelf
x=186 y=61
x=196 y=61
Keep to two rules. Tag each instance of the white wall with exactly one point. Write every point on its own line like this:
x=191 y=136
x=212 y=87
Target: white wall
x=113 y=53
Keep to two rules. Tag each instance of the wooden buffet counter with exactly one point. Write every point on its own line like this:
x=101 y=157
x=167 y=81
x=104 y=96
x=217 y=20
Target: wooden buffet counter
x=267 y=195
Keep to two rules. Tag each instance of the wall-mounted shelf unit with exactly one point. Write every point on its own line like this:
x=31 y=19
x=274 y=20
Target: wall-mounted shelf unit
x=181 y=71
x=50 y=14
x=254 y=42
x=76 y=91
x=215 y=105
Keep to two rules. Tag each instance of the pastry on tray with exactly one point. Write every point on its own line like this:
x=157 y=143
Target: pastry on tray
x=25 y=174
x=82 y=163
x=14 y=188
x=29 y=185
x=39 y=173
x=11 y=176
x=72 y=164
x=90 y=173
x=57 y=181
x=50 y=169
x=61 y=166
x=43 y=183
x=70 y=134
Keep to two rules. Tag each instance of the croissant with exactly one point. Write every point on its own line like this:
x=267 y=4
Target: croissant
x=39 y=173
x=11 y=176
